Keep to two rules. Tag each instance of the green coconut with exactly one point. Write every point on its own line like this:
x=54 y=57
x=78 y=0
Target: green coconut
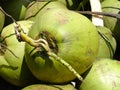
x=103 y=75
x=13 y=67
x=112 y=6
x=71 y=36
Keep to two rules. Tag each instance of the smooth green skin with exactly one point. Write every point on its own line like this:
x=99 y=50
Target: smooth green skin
x=77 y=41
x=104 y=50
x=49 y=87
x=2 y=19
x=16 y=8
x=112 y=23
x=35 y=9
x=104 y=75
x=12 y=69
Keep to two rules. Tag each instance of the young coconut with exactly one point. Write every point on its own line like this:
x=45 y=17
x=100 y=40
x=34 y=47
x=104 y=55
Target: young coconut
x=112 y=6
x=103 y=75
x=60 y=35
x=13 y=67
